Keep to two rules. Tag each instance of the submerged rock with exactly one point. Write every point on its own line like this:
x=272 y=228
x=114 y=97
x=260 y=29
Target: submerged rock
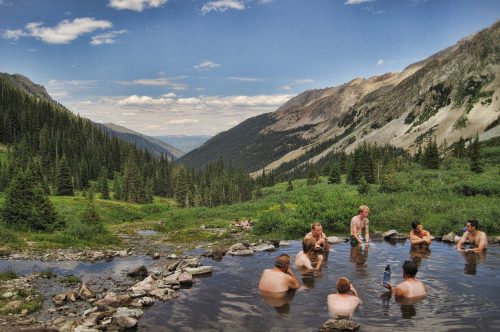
x=264 y=247
x=140 y=271
x=339 y=325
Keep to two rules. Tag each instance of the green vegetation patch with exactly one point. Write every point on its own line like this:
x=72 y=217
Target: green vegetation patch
x=8 y=275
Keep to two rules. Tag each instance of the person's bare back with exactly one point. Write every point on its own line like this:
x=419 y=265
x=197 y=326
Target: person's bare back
x=274 y=281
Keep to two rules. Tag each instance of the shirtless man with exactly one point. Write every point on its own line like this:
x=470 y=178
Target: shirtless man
x=344 y=303
x=279 y=279
x=317 y=234
x=303 y=258
x=476 y=238
x=410 y=288
x=419 y=236
x=358 y=223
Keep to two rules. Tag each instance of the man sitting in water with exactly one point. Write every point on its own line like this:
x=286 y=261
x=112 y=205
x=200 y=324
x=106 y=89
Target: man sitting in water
x=477 y=239
x=410 y=288
x=344 y=303
x=419 y=236
x=303 y=258
x=279 y=279
x=317 y=234
x=358 y=223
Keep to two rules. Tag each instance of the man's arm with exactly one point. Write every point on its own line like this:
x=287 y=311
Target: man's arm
x=427 y=237
x=367 y=234
x=415 y=239
x=293 y=282
x=318 y=264
x=354 y=230
x=400 y=291
x=460 y=243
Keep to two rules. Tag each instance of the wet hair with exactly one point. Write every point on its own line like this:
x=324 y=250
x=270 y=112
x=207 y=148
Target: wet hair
x=415 y=224
x=362 y=208
x=282 y=261
x=308 y=244
x=410 y=269
x=343 y=285
x=315 y=224
x=474 y=223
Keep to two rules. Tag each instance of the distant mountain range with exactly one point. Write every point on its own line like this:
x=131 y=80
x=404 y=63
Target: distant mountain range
x=152 y=144
x=452 y=94
x=184 y=142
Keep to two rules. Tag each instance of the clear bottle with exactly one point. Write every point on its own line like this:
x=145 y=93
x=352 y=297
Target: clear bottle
x=387 y=276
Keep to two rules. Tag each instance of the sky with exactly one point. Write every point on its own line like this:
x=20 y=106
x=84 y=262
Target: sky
x=199 y=67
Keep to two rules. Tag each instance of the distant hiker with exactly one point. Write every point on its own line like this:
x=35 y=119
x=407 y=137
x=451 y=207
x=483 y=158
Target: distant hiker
x=279 y=279
x=304 y=258
x=344 y=303
x=477 y=240
x=358 y=223
x=410 y=288
x=419 y=236
x=317 y=234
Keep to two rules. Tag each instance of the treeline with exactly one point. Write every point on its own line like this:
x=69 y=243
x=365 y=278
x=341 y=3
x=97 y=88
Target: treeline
x=59 y=153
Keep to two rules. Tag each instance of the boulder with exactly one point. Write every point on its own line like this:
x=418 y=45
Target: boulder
x=247 y=252
x=59 y=299
x=8 y=295
x=145 y=285
x=185 y=279
x=238 y=246
x=128 y=312
x=284 y=244
x=71 y=296
x=335 y=239
x=173 y=266
x=198 y=270
x=142 y=302
x=190 y=262
x=389 y=234
x=264 y=247
x=339 y=325
x=170 y=280
x=450 y=237
x=12 y=305
x=112 y=300
x=141 y=272
x=125 y=322
x=85 y=292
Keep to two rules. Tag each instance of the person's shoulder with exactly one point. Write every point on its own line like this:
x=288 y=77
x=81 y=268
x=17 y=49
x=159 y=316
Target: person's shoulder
x=308 y=235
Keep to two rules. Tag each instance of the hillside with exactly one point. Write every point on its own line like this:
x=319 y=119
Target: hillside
x=151 y=144
x=185 y=143
x=451 y=94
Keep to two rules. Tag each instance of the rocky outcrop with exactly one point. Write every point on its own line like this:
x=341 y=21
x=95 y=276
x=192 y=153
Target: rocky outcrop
x=339 y=325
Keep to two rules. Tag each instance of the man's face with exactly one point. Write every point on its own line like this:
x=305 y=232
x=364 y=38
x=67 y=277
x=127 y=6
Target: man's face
x=469 y=227
x=419 y=228
x=364 y=214
x=317 y=231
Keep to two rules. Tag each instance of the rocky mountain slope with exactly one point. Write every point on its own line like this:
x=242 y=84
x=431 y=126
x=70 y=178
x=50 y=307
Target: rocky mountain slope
x=453 y=93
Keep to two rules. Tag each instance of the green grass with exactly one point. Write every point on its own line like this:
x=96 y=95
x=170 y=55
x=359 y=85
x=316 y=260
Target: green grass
x=7 y=275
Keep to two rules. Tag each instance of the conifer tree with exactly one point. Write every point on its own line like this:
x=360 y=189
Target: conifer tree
x=334 y=176
x=475 y=156
x=290 y=185
x=148 y=195
x=103 y=183
x=64 y=185
x=431 y=155
x=117 y=187
x=133 y=183
x=312 y=175
x=363 y=186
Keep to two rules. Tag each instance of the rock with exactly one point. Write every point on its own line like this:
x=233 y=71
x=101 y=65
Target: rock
x=163 y=294
x=238 y=246
x=156 y=255
x=12 y=305
x=457 y=238
x=389 y=233
x=335 y=239
x=264 y=247
x=339 y=324
x=83 y=328
x=450 y=237
x=275 y=243
x=85 y=292
x=172 y=256
x=185 y=279
x=8 y=295
x=121 y=253
x=198 y=270
x=145 y=285
x=170 y=280
x=284 y=244
x=137 y=293
x=111 y=300
x=247 y=252
x=59 y=299
x=173 y=266
x=68 y=326
x=71 y=296
x=140 y=271
x=128 y=312
x=142 y=302
x=126 y=322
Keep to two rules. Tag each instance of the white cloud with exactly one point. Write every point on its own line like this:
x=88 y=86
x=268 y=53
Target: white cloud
x=285 y=87
x=356 y=2
x=183 y=122
x=245 y=79
x=206 y=64
x=106 y=38
x=304 y=81
x=168 y=95
x=135 y=5
x=222 y=6
x=161 y=81
x=144 y=101
x=14 y=34
x=62 y=88
x=63 y=33
x=380 y=62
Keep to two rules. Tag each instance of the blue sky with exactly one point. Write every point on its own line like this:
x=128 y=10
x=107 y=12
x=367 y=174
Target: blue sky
x=192 y=67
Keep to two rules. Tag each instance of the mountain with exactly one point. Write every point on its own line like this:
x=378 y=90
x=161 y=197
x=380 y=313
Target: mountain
x=451 y=94
x=143 y=142
x=185 y=143
x=25 y=84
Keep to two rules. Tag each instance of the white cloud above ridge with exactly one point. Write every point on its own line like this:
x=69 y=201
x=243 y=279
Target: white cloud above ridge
x=183 y=122
x=135 y=5
x=356 y=2
x=63 y=33
x=222 y=6
x=245 y=79
x=380 y=62
x=206 y=64
x=160 y=81
x=106 y=38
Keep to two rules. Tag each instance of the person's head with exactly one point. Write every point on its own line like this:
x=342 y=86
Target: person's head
x=472 y=225
x=410 y=269
x=282 y=262
x=308 y=244
x=364 y=211
x=343 y=285
x=417 y=226
x=316 y=229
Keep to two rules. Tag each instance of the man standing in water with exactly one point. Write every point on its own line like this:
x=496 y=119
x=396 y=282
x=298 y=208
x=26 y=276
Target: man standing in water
x=344 y=303
x=474 y=236
x=419 y=236
x=317 y=234
x=279 y=279
x=410 y=288
x=358 y=223
x=304 y=258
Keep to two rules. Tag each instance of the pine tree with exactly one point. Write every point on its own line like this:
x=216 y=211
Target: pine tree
x=102 y=186
x=64 y=185
x=117 y=187
x=312 y=176
x=334 y=176
x=133 y=186
x=290 y=185
x=431 y=155
x=363 y=186
x=475 y=156
x=148 y=197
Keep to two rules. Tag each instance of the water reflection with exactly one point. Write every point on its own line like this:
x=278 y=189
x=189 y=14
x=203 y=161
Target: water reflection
x=471 y=260
x=359 y=254
x=279 y=301
x=418 y=253
x=408 y=311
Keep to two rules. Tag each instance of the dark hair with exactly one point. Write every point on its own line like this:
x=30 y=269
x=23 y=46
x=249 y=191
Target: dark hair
x=308 y=244
x=415 y=224
x=410 y=269
x=282 y=261
x=343 y=285
x=474 y=223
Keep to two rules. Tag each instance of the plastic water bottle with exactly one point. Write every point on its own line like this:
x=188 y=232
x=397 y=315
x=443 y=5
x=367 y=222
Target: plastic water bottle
x=387 y=275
